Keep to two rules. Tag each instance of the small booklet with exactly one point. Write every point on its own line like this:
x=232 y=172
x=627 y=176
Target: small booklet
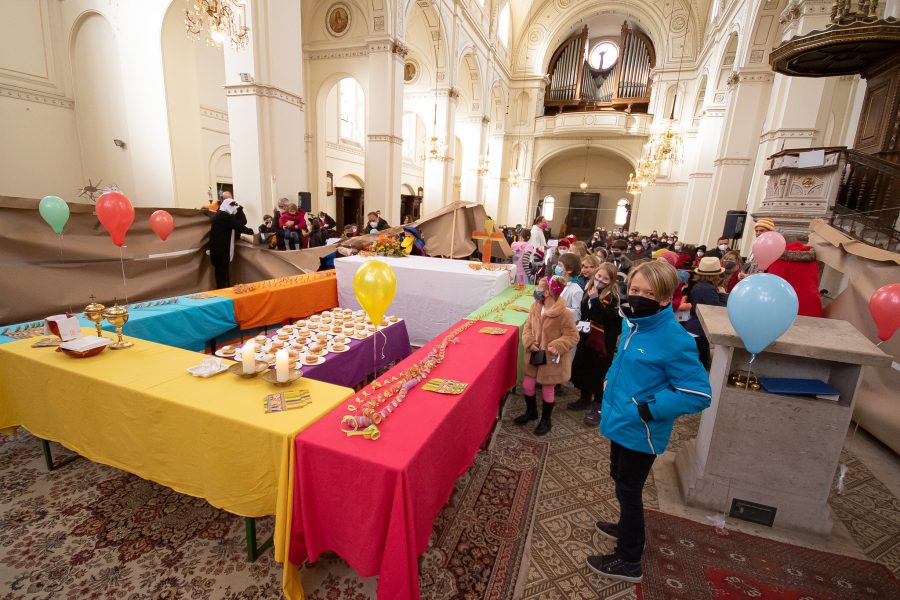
x=799 y=387
x=283 y=401
x=445 y=386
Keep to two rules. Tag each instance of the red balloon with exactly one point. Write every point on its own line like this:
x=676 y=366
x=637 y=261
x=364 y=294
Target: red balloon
x=116 y=214
x=162 y=224
x=885 y=308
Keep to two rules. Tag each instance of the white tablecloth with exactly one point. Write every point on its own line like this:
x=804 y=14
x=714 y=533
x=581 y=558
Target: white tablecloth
x=432 y=293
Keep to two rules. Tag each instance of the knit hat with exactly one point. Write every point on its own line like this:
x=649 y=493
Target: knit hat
x=767 y=224
x=620 y=245
x=659 y=252
x=709 y=265
x=670 y=257
x=572 y=239
x=565 y=243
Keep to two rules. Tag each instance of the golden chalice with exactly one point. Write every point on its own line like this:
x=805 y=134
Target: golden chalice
x=94 y=313
x=118 y=316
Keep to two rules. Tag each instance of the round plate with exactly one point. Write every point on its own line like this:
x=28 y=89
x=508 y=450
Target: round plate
x=331 y=349
x=220 y=354
x=293 y=375
x=303 y=363
x=238 y=368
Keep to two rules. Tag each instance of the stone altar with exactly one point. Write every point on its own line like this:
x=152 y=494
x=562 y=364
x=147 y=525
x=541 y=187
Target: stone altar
x=771 y=451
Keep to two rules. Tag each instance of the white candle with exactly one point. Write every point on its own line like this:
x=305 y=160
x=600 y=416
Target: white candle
x=281 y=366
x=248 y=357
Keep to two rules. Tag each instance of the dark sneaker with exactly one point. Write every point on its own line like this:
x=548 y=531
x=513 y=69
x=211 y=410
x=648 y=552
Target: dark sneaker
x=592 y=417
x=607 y=529
x=613 y=567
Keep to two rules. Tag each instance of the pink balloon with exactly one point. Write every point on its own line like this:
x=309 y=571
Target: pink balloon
x=768 y=248
x=885 y=308
x=116 y=214
x=162 y=224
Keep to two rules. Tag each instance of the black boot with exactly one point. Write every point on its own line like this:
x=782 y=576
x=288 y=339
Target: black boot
x=545 y=424
x=530 y=411
x=583 y=403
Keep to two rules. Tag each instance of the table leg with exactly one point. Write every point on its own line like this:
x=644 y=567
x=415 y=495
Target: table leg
x=48 y=456
x=253 y=552
x=211 y=345
x=490 y=436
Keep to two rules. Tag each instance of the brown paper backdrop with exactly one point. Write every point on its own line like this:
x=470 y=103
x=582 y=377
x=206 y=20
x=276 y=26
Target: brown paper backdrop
x=868 y=268
x=37 y=280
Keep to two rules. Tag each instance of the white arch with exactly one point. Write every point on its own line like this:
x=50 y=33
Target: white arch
x=578 y=145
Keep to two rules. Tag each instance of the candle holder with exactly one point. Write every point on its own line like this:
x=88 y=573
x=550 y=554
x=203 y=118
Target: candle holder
x=118 y=316
x=94 y=313
x=271 y=377
x=238 y=369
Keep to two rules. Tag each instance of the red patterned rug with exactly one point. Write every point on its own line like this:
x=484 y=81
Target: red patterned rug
x=689 y=560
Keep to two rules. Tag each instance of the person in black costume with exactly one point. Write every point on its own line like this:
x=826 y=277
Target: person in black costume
x=596 y=346
x=226 y=224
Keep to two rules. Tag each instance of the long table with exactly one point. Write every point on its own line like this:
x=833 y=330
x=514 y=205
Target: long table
x=277 y=300
x=501 y=310
x=432 y=293
x=374 y=502
x=140 y=411
x=186 y=322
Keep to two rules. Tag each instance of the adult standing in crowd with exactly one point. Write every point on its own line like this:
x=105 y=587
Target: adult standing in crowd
x=655 y=378
x=538 y=228
x=375 y=223
x=226 y=224
x=707 y=289
x=799 y=268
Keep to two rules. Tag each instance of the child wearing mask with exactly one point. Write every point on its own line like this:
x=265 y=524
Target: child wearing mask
x=589 y=266
x=548 y=336
x=569 y=268
x=522 y=250
x=290 y=224
x=268 y=232
x=599 y=332
x=733 y=266
x=699 y=253
x=707 y=289
x=654 y=378
x=618 y=257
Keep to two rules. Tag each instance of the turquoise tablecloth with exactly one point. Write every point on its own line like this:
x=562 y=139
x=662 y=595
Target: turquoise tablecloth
x=186 y=323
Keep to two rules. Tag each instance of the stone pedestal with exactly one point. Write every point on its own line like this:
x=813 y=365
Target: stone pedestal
x=775 y=450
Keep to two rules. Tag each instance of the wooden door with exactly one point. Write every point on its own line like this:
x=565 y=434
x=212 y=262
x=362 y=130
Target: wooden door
x=582 y=216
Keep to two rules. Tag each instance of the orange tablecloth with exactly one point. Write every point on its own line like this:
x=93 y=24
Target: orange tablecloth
x=276 y=300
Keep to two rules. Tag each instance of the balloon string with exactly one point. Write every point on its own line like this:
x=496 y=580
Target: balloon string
x=168 y=288
x=60 y=240
x=878 y=345
x=384 y=347
x=124 y=283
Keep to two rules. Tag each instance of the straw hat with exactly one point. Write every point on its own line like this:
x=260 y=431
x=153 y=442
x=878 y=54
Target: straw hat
x=709 y=265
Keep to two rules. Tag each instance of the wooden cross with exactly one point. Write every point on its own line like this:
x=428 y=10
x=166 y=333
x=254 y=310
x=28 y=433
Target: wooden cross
x=488 y=236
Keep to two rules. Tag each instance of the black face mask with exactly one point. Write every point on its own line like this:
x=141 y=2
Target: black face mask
x=643 y=307
x=539 y=296
x=729 y=265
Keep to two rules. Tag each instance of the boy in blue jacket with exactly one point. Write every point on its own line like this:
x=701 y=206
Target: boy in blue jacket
x=656 y=377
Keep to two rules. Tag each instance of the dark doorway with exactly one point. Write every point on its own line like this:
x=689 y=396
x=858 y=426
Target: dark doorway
x=350 y=207
x=410 y=206
x=582 y=217
x=224 y=187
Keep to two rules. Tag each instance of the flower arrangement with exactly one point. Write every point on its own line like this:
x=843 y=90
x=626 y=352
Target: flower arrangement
x=386 y=246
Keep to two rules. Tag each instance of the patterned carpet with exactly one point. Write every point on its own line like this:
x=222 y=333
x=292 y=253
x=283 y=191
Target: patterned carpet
x=518 y=526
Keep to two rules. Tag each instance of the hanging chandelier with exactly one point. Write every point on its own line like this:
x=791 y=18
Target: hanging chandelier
x=634 y=185
x=667 y=146
x=484 y=163
x=222 y=19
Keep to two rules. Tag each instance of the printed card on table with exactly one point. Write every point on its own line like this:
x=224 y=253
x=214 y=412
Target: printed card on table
x=493 y=330
x=283 y=401
x=445 y=386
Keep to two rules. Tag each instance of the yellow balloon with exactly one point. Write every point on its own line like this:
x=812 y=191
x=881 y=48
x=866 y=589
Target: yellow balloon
x=375 y=285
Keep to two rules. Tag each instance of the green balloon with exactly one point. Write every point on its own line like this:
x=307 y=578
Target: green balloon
x=55 y=211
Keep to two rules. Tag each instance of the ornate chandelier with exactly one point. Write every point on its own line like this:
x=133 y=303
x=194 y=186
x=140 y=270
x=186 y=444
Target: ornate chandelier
x=667 y=146
x=484 y=163
x=222 y=19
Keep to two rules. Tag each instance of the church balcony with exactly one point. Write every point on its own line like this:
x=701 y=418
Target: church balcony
x=583 y=124
x=868 y=201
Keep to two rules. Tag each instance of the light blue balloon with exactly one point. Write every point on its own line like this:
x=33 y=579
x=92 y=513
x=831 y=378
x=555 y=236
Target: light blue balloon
x=761 y=308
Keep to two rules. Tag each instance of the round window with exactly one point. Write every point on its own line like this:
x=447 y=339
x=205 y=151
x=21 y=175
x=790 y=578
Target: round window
x=603 y=56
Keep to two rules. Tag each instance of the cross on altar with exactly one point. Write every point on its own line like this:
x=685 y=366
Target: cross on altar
x=488 y=236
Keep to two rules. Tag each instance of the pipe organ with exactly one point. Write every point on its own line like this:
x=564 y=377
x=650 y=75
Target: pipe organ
x=625 y=85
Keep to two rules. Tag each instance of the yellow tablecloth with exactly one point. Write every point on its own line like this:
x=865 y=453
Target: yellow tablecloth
x=140 y=411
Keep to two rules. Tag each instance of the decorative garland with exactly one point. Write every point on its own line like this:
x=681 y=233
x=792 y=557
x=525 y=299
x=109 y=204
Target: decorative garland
x=246 y=288
x=378 y=408
x=485 y=315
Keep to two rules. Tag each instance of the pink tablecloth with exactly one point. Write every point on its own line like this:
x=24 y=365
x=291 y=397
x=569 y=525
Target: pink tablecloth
x=374 y=502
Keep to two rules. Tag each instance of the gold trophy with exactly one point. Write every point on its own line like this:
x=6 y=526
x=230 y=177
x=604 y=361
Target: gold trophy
x=94 y=313
x=118 y=316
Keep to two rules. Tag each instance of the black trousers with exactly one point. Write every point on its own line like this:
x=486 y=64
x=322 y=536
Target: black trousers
x=629 y=469
x=222 y=278
x=703 y=351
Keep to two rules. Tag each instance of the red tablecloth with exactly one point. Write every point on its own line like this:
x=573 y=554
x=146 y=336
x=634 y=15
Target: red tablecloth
x=374 y=502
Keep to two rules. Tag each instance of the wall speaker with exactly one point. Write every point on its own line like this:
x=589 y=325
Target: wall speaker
x=305 y=201
x=734 y=224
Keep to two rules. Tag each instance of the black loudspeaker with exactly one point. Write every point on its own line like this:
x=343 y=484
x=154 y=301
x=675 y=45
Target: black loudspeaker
x=734 y=224
x=306 y=201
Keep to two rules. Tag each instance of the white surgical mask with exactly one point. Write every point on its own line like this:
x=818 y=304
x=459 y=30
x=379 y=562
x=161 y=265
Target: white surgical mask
x=723 y=247
x=677 y=247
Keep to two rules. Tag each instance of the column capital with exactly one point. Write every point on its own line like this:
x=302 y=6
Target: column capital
x=264 y=91
x=401 y=49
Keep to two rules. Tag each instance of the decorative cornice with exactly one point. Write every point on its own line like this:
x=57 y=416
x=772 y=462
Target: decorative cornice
x=731 y=161
x=332 y=53
x=213 y=113
x=265 y=91
x=384 y=137
x=357 y=150
x=783 y=134
x=33 y=96
x=700 y=176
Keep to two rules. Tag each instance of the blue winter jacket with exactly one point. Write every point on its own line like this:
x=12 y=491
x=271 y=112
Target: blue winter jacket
x=656 y=364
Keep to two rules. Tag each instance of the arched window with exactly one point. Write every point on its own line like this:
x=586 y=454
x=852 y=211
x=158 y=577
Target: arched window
x=549 y=207
x=352 y=108
x=411 y=137
x=503 y=25
x=621 y=212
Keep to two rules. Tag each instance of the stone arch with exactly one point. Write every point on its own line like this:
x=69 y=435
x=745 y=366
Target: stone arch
x=543 y=158
x=469 y=78
x=437 y=29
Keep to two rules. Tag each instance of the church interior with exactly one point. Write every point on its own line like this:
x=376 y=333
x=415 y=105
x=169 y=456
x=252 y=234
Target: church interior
x=471 y=145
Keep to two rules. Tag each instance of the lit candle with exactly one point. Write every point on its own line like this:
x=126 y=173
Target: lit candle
x=281 y=366
x=248 y=357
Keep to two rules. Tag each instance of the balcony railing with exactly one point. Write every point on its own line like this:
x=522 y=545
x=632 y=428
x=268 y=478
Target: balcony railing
x=868 y=202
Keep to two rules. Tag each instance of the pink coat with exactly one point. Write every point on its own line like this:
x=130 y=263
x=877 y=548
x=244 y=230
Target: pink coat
x=554 y=330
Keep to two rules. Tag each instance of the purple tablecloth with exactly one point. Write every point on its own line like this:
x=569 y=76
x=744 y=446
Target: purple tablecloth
x=364 y=357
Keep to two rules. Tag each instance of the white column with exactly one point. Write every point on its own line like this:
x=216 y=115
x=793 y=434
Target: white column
x=439 y=170
x=700 y=173
x=472 y=132
x=267 y=128
x=384 y=124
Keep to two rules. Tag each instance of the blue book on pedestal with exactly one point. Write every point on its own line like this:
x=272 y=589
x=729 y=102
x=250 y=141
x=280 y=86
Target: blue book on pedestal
x=799 y=387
